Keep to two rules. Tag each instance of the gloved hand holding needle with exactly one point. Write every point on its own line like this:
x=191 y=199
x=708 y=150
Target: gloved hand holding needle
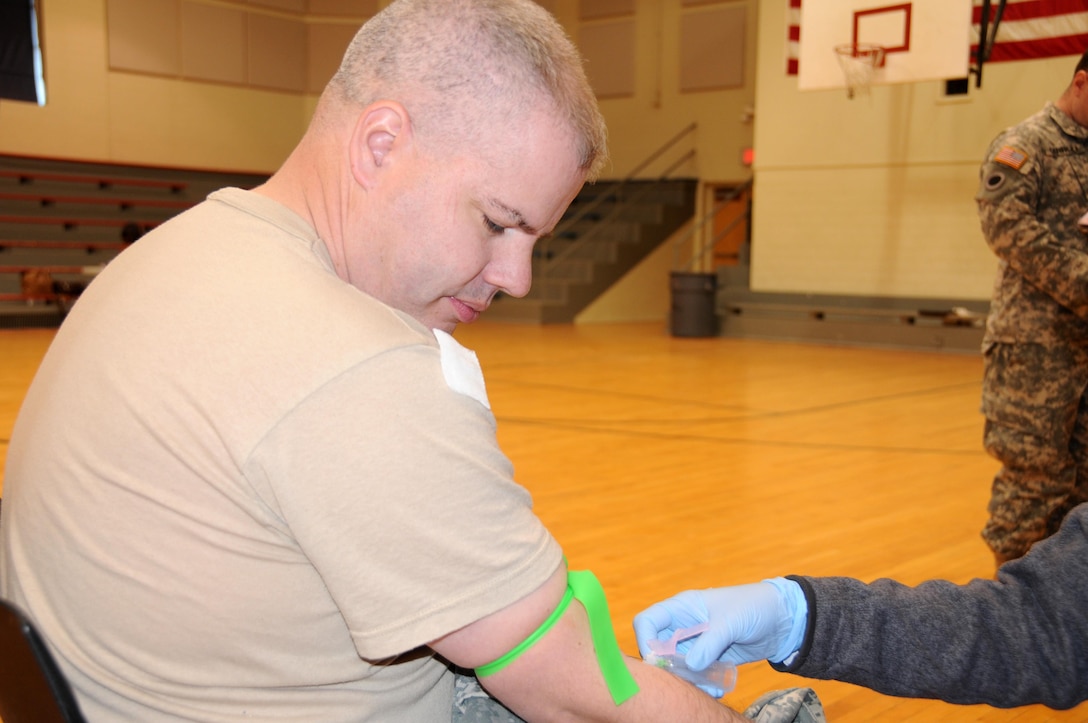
x=746 y=623
x=1019 y=639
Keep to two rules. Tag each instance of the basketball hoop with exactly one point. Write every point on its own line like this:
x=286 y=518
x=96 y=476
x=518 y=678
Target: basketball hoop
x=858 y=61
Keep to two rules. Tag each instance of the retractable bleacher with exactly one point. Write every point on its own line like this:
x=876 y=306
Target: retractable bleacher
x=66 y=218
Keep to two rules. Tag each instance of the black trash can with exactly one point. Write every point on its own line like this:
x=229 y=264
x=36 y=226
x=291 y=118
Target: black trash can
x=693 y=300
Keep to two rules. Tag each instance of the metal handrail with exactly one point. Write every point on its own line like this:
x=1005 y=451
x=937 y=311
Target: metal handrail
x=602 y=223
x=611 y=192
x=699 y=251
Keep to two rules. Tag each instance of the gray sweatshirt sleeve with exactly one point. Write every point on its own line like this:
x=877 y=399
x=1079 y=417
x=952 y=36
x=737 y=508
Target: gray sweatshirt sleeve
x=1018 y=640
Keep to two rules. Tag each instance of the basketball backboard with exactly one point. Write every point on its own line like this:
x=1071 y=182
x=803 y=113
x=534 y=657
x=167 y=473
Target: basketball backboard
x=922 y=39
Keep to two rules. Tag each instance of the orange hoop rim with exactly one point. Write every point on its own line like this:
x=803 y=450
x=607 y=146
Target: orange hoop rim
x=863 y=52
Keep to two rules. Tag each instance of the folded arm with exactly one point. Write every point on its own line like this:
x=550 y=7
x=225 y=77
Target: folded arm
x=1045 y=250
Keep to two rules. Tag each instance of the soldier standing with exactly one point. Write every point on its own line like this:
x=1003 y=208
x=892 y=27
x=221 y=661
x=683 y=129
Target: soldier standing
x=1032 y=194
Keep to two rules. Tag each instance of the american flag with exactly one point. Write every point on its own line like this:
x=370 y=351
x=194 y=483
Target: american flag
x=793 y=36
x=1029 y=29
x=1035 y=29
x=1011 y=157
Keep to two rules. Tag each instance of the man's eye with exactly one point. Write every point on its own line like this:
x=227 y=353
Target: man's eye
x=493 y=227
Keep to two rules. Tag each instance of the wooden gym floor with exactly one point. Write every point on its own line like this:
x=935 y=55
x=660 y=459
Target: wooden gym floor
x=664 y=464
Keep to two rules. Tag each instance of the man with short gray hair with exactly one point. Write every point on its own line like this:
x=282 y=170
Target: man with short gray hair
x=256 y=477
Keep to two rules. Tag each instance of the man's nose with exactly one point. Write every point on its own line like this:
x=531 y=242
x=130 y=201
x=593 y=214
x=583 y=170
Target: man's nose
x=511 y=267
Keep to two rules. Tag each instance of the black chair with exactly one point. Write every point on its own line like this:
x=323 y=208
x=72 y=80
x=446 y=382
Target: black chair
x=32 y=688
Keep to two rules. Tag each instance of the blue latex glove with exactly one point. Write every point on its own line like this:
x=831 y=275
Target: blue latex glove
x=761 y=621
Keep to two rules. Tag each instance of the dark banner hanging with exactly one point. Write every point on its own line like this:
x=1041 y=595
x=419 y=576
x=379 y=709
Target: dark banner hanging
x=19 y=60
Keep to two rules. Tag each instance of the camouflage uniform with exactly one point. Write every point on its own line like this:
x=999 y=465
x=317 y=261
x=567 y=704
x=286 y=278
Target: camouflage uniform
x=1033 y=190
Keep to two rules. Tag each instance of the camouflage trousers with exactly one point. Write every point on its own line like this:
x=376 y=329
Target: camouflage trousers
x=1035 y=400
x=472 y=704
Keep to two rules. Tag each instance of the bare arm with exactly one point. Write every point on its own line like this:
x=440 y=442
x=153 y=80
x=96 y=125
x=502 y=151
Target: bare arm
x=558 y=679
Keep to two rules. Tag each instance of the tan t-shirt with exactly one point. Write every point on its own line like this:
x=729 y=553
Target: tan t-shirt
x=239 y=488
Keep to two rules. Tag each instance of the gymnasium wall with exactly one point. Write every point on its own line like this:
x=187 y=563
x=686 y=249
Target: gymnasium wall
x=871 y=196
x=874 y=196
x=199 y=106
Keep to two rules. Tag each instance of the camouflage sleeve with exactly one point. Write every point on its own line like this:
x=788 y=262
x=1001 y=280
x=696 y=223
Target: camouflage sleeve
x=1032 y=228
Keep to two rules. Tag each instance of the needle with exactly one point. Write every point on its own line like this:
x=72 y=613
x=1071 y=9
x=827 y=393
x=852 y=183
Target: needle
x=668 y=647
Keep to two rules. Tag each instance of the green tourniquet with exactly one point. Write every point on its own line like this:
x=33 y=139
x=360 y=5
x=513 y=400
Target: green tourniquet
x=583 y=586
x=497 y=665
x=588 y=591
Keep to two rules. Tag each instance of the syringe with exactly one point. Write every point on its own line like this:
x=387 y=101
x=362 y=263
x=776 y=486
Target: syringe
x=718 y=678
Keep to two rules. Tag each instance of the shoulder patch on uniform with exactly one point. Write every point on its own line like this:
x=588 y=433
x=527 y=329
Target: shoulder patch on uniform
x=461 y=368
x=995 y=180
x=1011 y=157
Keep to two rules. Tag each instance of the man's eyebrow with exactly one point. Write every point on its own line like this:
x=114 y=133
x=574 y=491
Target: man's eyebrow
x=516 y=215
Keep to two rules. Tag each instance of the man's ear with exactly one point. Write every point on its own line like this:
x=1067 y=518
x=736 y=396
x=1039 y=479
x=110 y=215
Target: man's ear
x=381 y=129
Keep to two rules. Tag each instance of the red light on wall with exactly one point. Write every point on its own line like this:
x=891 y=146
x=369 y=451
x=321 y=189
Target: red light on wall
x=747 y=156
